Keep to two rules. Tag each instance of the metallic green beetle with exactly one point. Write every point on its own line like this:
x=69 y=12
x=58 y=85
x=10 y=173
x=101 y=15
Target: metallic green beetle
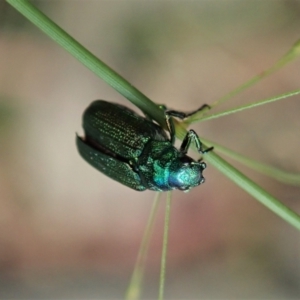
x=137 y=152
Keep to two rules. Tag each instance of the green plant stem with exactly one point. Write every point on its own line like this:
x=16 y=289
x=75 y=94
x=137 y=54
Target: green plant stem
x=291 y=54
x=146 y=105
x=164 y=248
x=134 y=289
x=249 y=186
x=88 y=59
x=273 y=172
x=254 y=190
x=196 y=118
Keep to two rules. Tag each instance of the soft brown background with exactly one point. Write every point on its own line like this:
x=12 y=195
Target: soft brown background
x=67 y=231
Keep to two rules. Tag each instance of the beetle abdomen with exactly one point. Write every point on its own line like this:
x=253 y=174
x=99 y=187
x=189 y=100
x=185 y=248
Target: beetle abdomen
x=119 y=129
x=110 y=166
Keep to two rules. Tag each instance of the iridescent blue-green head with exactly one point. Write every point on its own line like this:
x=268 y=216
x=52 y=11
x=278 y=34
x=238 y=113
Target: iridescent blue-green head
x=186 y=173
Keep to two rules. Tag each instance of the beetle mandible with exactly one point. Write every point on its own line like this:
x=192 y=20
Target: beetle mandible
x=137 y=152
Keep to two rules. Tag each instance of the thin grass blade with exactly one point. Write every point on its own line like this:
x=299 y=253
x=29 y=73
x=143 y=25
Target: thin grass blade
x=198 y=118
x=270 y=171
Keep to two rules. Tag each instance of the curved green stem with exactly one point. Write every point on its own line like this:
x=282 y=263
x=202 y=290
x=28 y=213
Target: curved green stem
x=111 y=77
x=270 y=171
x=134 y=289
x=249 y=186
x=164 y=248
x=289 y=56
x=198 y=118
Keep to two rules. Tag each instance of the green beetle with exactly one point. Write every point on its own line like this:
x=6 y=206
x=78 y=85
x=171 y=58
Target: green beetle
x=137 y=152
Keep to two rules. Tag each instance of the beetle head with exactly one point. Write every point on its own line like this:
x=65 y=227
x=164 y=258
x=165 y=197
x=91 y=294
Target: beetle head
x=186 y=173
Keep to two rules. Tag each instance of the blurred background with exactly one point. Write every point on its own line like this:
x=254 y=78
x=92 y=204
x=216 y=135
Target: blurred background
x=66 y=230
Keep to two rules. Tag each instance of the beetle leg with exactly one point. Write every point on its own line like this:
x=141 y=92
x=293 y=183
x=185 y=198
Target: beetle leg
x=192 y=135
x=202 y=163
x=183 y=115
x=169 y=121
x=171 y=127
x=180 y=115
